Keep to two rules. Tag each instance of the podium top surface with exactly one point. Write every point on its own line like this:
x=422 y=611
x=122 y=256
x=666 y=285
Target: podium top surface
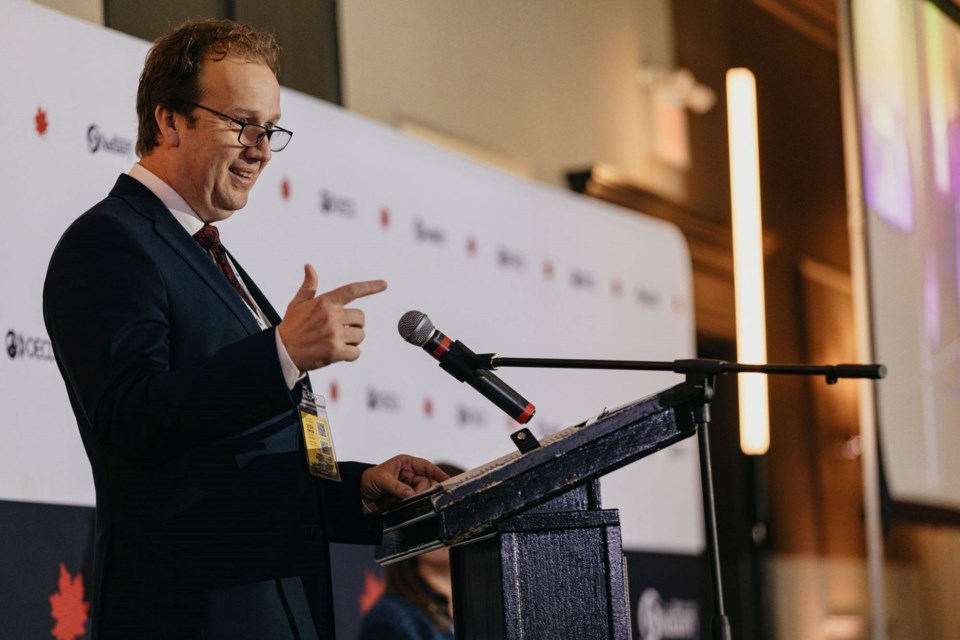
x=472 y=503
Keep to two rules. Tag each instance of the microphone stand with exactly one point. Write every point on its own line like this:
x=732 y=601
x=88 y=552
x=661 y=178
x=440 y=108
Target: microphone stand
x=701 y=373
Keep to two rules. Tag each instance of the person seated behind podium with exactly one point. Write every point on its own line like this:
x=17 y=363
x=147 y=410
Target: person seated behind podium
x=417 y=601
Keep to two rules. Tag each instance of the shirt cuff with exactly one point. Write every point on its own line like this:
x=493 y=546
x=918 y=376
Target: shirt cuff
x=291 y=374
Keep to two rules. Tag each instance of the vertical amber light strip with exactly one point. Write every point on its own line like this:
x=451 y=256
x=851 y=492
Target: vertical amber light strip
x=748 y=258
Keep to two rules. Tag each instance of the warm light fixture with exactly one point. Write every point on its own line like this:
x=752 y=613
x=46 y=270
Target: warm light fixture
x=748 y=258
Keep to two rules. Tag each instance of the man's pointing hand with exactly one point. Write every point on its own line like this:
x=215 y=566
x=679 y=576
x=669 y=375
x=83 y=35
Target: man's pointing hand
x=320 y=330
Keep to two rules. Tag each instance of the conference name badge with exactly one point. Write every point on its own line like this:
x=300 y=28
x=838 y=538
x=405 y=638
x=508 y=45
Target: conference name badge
x=321 y=457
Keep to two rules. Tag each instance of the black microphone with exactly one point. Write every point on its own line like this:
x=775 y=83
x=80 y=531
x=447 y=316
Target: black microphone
x=458 y=360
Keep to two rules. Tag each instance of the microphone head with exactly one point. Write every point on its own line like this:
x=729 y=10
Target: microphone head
x=415 y=327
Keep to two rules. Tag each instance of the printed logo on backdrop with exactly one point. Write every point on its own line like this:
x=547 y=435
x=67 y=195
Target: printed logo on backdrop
x=673 y=619
x=336 y=204
x=380 y=400
x=68 y=607
x=471 y=246
x=616 y=288
x=40 y=123
x=333 y=391
x=509 y=259
x=678 y=305
x=373 y=588
x=428 y=407
x=470 y=416
x=285 y=189
x=422 y=232
x=384 y=218
x=548 y=270
x=19 y=345
x=97 y=140
x=582 y=280
x=646 y=298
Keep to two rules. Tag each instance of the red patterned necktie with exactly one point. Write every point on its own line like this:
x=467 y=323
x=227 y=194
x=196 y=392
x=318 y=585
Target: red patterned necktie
x=209 y=239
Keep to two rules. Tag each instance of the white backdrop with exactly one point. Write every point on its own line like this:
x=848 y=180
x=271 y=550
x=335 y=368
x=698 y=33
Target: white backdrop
x=503 y=264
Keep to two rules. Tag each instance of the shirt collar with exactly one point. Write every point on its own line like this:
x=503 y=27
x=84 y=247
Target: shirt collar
x=182 y=211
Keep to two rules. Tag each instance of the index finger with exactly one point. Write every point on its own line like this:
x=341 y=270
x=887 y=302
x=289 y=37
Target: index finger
x=421 y=483
x=428 y=470
x=350 y=292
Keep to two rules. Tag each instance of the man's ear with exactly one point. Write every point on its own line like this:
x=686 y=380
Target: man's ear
x=169 y=126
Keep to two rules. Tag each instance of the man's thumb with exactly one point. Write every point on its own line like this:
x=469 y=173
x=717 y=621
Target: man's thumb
x=308 y=289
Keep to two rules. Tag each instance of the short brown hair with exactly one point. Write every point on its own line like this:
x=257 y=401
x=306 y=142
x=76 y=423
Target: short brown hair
x=171 y=72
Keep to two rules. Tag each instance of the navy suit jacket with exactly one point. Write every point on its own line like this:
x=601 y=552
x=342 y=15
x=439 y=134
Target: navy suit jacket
x=205 y=508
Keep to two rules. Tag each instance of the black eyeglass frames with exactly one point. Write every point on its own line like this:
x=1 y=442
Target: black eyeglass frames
x=252 y=134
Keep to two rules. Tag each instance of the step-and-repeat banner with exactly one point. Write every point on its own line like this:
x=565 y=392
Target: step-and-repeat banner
x=503 y=264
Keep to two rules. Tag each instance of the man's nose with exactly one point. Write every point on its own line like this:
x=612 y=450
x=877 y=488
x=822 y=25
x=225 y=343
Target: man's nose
x=260 y=151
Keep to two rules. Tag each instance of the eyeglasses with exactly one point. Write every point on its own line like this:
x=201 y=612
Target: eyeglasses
x=251 y=135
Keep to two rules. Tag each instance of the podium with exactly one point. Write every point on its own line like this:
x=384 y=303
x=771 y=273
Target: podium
x=533 y=553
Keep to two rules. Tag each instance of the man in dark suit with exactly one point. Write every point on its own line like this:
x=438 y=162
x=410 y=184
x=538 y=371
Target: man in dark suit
x=186 y=383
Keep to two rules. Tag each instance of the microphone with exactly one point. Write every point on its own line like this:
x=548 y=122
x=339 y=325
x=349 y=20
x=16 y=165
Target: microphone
x=457 y=360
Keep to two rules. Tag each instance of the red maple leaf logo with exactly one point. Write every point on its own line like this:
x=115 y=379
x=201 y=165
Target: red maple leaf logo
x=384 y=217
x=285 y=189
x=373 y=588
x=678 y=305
x=40 y=120
x=68 y=608
x=547 y=269
x=616 y=288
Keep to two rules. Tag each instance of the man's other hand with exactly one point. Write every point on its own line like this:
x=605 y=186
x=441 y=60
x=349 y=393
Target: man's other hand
x=398 y=478
x=320 y=330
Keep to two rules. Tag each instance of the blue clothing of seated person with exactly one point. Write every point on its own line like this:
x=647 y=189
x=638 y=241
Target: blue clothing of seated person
x=396 y=618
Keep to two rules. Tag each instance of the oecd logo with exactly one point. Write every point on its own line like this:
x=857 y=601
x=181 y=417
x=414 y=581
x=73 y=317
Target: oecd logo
x=674 y=619
x=12 y=344
x=97 y=140
x=21 y=346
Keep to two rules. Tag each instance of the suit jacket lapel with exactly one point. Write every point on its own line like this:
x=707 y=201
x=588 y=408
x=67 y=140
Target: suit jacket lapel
x=166 y=226
x=271 y=314
x=268 y=310
x=258 y=296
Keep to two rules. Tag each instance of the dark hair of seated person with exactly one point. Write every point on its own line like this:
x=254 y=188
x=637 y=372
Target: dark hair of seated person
x=403 y=580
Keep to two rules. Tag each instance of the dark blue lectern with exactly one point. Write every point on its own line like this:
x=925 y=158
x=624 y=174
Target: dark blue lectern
x=533 y=553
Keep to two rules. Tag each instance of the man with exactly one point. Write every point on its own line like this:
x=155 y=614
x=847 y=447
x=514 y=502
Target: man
x=186 y=383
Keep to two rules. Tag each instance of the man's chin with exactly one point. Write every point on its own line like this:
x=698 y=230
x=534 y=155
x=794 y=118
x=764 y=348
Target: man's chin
x=219 y=215
x=231 y=207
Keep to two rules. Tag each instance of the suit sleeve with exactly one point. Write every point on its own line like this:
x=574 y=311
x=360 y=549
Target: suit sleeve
x=345 y=519
x=107 y=313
